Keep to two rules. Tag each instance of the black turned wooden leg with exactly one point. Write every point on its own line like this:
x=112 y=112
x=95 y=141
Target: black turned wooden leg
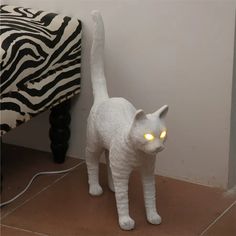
x=60 y=131
x=1 y=176
x=1 y=165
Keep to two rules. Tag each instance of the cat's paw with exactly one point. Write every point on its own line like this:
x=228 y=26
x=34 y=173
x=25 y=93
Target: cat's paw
x=126 y=223
x=95 y=189
x=154 y=218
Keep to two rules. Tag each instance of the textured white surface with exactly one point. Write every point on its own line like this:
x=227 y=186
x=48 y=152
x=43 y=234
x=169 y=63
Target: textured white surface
x=158 y=52
x=116 y=126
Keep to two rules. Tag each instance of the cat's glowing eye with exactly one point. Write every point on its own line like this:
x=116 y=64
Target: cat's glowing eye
x=163 y=134
x=149 y=137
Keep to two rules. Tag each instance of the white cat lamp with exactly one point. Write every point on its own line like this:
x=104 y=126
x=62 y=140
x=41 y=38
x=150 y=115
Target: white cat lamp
x=130 y=138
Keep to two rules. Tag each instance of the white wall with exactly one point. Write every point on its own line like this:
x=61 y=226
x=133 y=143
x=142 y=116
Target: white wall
x=232 y=155
x=159 y=52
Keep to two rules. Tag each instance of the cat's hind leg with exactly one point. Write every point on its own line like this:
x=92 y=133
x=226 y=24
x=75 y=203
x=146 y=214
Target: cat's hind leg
x=109 y=174
x=92 y=162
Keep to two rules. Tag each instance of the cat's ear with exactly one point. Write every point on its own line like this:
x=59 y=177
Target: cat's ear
x=139 y=115
x=161 y=113
x=138 y=119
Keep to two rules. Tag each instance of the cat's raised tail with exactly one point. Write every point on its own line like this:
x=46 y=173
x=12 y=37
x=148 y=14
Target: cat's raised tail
x=97 y=59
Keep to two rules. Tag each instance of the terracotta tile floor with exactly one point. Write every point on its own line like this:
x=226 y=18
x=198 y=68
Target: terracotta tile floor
x=60 y=204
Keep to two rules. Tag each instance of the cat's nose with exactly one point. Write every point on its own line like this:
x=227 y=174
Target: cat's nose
x=159 y=149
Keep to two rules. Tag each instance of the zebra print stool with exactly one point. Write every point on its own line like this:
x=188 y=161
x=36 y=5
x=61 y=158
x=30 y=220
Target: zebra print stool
x=40 y=69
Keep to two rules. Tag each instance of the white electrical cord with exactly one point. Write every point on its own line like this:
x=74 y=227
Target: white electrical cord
x=34 y=177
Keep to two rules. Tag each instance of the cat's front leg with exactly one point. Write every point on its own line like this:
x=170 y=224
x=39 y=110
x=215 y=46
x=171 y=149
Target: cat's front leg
x=149 y=188
x=121 y=180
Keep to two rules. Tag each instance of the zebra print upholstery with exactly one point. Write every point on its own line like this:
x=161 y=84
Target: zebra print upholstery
x=40 y=63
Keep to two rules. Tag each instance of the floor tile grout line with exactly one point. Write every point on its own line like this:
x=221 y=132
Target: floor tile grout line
x=217 y=218
x=35 y=195
x=24 y=230
x=30 y=198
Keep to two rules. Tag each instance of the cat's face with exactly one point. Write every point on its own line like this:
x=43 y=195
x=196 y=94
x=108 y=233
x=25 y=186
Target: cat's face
x=148 y=132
